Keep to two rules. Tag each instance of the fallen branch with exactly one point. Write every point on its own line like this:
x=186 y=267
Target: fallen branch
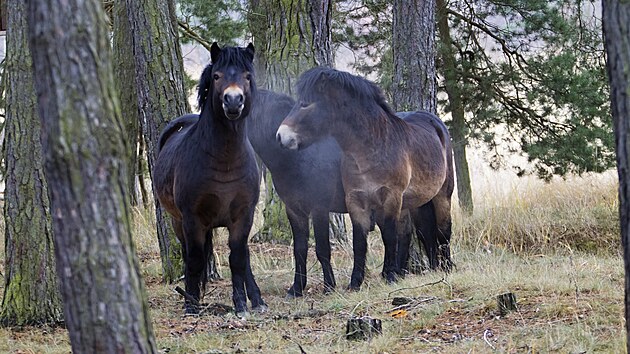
x=187 y=296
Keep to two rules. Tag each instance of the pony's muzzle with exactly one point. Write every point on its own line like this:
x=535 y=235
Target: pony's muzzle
x=287 y=137
x=233 y=104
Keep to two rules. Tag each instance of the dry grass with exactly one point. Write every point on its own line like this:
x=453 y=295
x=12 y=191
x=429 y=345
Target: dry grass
x=553 y=245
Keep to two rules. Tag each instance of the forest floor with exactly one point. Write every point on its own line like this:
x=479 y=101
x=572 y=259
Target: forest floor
x=569 y=294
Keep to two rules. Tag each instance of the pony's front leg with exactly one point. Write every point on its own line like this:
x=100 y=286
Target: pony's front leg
x=243 y=282
x=195 y=261
x=322 y=248
x=359 y=247
x=389 y=235
x=299 y=228
x=357 y=203
x=404 y=229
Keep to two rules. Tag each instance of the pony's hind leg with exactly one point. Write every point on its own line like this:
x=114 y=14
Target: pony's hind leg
x=442 y=207
x=299 y=228
x=427 y=232
x=322 y=248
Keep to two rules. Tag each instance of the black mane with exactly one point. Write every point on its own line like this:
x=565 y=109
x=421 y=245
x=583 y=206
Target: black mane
x=312 y=83
x=230 y=56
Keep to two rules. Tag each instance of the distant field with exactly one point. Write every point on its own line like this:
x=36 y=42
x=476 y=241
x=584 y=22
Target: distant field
x=554 y=245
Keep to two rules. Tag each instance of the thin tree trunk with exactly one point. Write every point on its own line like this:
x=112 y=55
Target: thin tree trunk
x=413 y=45
x=458 y=127
x=161 y=97
x=31 y=294
x=616 y=23
x=105 y=304
x=124 y=70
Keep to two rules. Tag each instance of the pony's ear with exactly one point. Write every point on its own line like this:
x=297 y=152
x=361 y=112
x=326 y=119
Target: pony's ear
x=250 y=51
x=214 y=52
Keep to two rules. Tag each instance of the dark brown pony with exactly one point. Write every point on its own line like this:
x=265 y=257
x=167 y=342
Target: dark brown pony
x=388 y=164
x=206 y=174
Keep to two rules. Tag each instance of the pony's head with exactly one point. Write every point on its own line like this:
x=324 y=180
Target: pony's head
x=325 y=97
x=227 y=85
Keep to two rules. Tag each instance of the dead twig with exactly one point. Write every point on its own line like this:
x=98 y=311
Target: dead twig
x=485 y=338
x=443 y=280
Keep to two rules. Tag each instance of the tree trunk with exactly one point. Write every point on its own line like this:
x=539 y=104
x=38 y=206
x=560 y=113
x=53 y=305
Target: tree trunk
x=105 y=304
x=459 y=130
x=413 y=45
x=161 y=97
x=320 y=13
x=616 y=20
x=414 y=84
x=124 y=69
x=293 y=45
x=31 y=295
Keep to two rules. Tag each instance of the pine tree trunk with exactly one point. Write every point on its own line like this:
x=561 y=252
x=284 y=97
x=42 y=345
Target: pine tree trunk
x=293 y=45
x=616 y=23
x=31 y=295
x=458 y=127
x=320 y=13
x=105 y=306
x=280 y=36
x=161 y=97
x=124 y=69
x=413 y=45
x=414 y=84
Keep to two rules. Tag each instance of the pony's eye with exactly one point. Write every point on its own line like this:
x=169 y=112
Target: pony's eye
x=304 y=104
x=216 y=77
x=248 y=77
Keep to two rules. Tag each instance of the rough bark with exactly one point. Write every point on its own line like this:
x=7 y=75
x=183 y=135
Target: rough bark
x=31 y=295
x=459 y=130
x=161 y=97
x=105 y=306
x=414 y=84
x=320 y=13
x=282 y=34
x=616 y=23
x=295 y=43
x=413 y=45
x=124 y=70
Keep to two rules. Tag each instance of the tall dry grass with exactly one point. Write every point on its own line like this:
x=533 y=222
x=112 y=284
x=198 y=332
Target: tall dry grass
x=528 y=216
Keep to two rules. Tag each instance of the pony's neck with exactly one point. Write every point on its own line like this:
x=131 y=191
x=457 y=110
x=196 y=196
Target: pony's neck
x=367 y=131
x=220 y=135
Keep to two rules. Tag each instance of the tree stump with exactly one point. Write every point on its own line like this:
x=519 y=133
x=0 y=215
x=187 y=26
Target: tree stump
x=363 y=328
x=506 y=303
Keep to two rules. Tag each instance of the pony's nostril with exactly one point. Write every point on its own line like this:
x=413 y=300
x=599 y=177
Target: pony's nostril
x=278 y=138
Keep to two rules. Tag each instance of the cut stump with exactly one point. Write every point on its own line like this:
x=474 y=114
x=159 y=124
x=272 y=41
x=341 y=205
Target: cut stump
x=506 y=303
x=363 y=328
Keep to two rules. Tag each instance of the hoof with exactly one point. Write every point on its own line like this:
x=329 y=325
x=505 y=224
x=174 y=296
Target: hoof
x=242 y=314
x=329 y=289
x=390 y=277
x=191 y=309
x=293 y=294
x=261 y=308
x=354 y=287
